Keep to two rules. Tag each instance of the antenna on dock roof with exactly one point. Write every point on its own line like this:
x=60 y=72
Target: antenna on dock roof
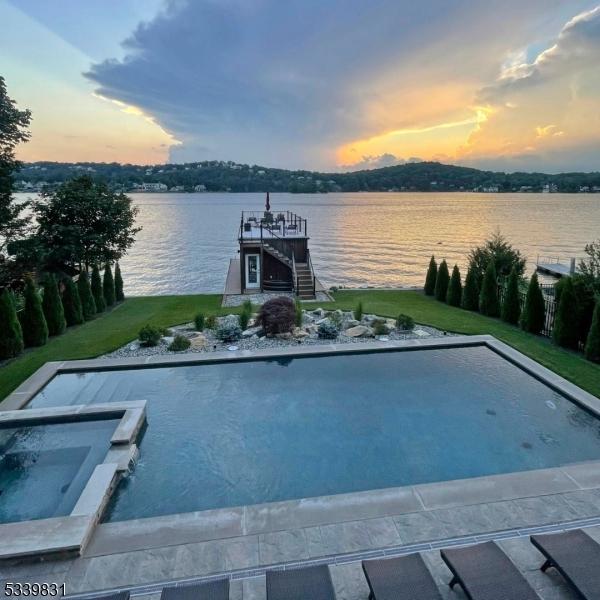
x=268 y=203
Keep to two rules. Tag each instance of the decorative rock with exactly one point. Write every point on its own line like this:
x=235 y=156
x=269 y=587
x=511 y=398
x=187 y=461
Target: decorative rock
x=300 y=333
x=283 y=336
x=198 y=341
x=252 y=331
x=368 y=319
x=323 y=320
x=167 y=340
x=319 y=312
x=352 y=323
x=359 y=331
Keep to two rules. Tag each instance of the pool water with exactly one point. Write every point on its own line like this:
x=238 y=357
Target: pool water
x=44 y=468
x=238 y=433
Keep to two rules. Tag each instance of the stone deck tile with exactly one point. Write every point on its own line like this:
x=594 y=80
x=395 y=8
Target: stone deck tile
x=282 y=546
x=351 y=536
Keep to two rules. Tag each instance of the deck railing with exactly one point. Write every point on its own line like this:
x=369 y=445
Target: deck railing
x=284 y=223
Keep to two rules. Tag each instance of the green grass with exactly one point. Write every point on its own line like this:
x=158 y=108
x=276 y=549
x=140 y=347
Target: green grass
x=121 y=325
x=427 y=311
x=108 y=332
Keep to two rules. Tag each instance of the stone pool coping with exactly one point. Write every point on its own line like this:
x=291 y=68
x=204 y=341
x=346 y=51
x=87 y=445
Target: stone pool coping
x=70 y=534
x=247 y=525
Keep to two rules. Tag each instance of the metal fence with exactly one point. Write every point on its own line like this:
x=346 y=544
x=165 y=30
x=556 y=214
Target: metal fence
x=549 y=308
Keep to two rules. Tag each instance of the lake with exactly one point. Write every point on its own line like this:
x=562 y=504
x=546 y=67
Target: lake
x=358 y=239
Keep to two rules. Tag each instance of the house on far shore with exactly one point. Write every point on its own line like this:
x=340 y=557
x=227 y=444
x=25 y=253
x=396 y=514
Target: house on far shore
x=274 y=256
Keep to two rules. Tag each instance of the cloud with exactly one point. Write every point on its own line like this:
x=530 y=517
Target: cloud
x=291 y=83
x=547 y=107
x=374 y=162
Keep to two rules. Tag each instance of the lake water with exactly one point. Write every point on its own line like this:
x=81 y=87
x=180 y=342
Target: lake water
x=376 y=239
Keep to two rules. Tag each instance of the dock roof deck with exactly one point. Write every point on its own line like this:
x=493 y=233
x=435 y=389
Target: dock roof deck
x=260 y=225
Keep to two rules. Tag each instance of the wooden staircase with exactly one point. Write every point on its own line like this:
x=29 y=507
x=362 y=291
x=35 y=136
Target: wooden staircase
x=306 y=282
x=305 y=278
x=280 y=256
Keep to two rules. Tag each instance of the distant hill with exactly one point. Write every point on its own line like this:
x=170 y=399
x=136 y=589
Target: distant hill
x=220 y=176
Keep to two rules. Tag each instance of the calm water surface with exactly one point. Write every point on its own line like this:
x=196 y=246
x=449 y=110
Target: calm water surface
x=377 y=239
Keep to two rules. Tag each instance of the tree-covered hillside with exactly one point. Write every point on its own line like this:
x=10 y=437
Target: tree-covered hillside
x=215 y=176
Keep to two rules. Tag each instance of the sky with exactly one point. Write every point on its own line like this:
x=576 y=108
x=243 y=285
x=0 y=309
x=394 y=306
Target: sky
x=338 y=84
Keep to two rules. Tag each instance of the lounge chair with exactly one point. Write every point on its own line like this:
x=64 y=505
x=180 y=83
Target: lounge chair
x=306 y=583
x=210 y=590
x=402 y=578
x=576 y=556
x=485 y=573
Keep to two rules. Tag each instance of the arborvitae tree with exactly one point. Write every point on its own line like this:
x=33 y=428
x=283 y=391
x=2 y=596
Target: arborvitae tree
x=455 y=288
x=470 y=294
x=53 y=308
x=534 y=311
x=592 y=345
x=33 y=322
x=108 y=286
x=441 y=282
x=88 y=305
x=431 y=277
x=511 y=306
x=97 y=290
x=119 y=295
x=488 y=297
x=565 y=331
x=72 y=303
x=11 y=335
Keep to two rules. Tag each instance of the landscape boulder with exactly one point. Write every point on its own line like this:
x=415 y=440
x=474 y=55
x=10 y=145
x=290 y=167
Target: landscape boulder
x=359 y=331
x=300 y=333
x=198 y=341
x=248 y=333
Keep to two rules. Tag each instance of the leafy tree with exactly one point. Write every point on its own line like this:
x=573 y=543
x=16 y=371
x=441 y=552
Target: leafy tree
x=88 y=304
x=583 y=306
x=83 y=222
x=565 y=332
x=430 y=278
x=72 y=303
x=97 y=290
x=33 y=322
x=455 y=288
x=501 y=253
x=534 y=312
x=470 y=295
x=108 y=286
x=441 y=282
x=119 y=295
x=592 y=345
x=488 y=297
x=511 y=306
x=13 y=131
x=53 y=308
x=11 y=335
x=590 y=267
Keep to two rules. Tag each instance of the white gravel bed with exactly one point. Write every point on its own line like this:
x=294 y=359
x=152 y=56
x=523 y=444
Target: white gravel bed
x=257 y=299
x=206 y=340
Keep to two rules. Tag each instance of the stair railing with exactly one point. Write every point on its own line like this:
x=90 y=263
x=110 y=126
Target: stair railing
x=312 y=272
x=295 y=283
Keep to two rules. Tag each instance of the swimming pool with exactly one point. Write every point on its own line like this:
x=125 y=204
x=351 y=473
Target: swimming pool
x=44 y=468
x=237 y=433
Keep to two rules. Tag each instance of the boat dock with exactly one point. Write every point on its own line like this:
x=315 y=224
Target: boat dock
x=556 y=267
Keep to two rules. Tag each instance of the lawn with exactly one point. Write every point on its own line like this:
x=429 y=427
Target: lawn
x=122 y=324
x=108 y=332
x=428 y=311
